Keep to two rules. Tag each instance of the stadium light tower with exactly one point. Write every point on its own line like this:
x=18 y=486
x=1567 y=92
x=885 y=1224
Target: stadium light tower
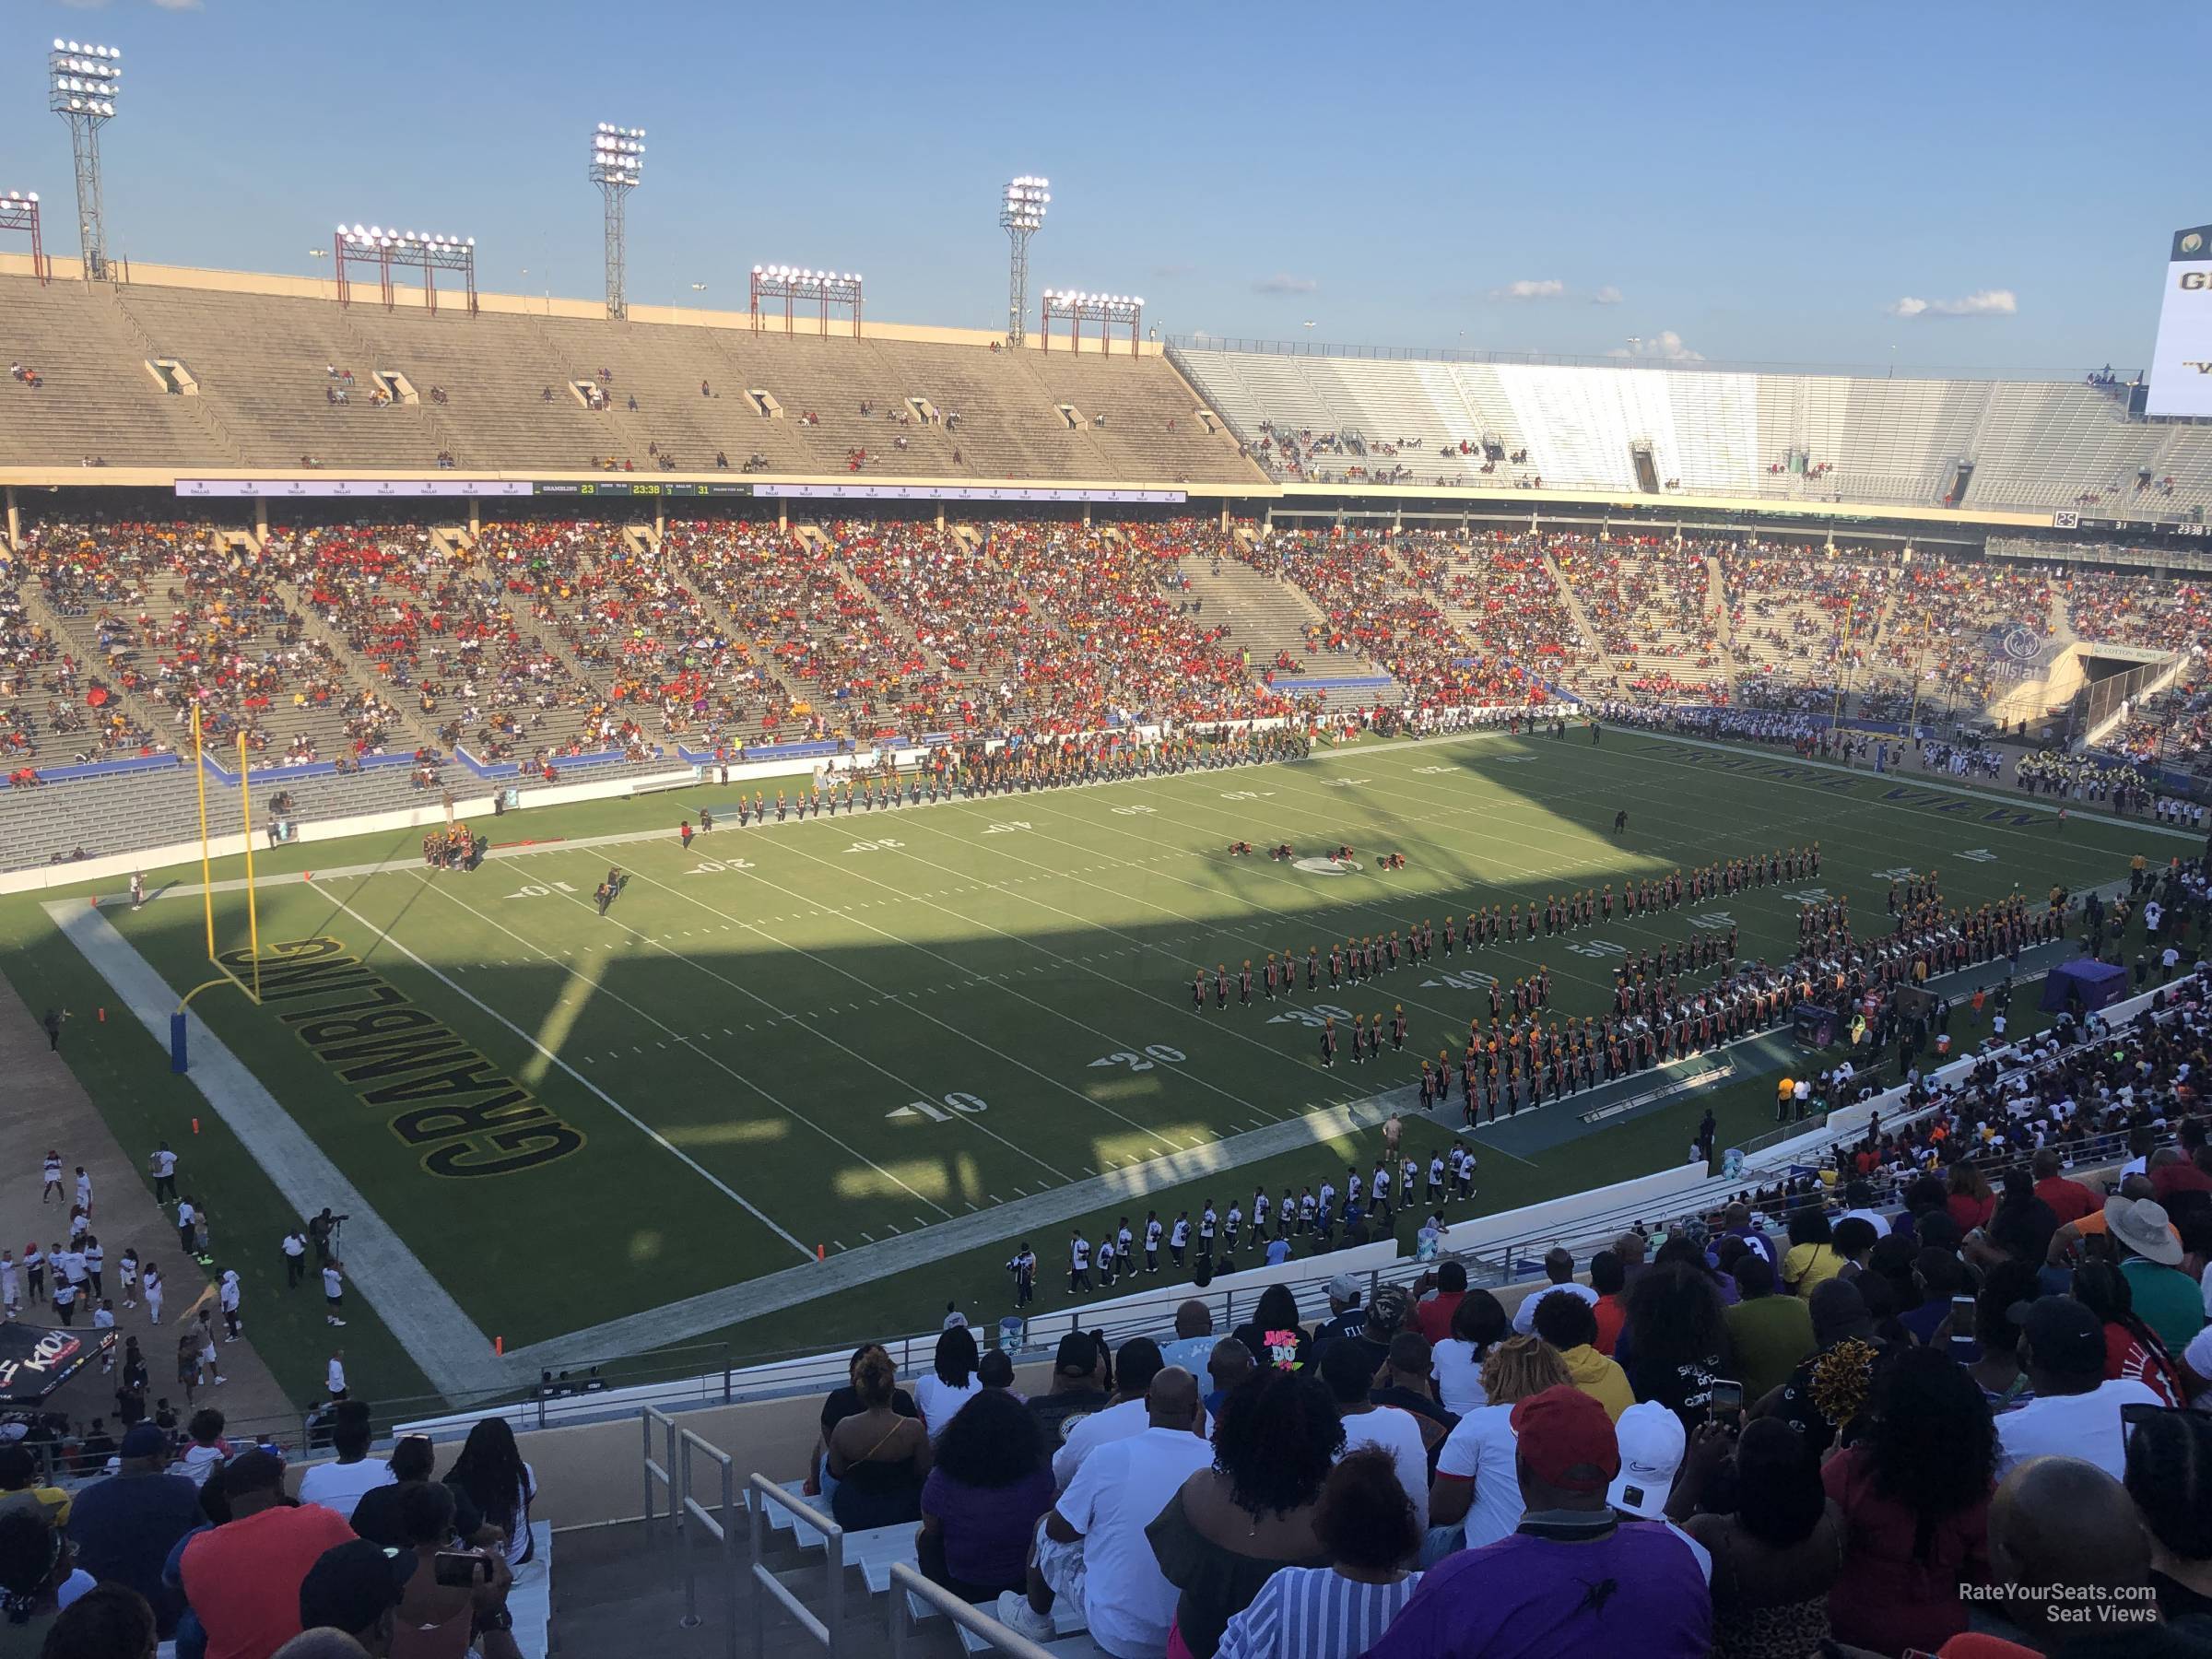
x=828 y=289
x=1021 y=216
x=618 y=164
x=82 y=85
x=1107 y=310
x=378 y=248
x=19 y=211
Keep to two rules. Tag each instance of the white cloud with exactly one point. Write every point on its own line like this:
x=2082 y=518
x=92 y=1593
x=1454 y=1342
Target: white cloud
x=1665 y=346
x=1982 y=302
x=1166 y=273
x=1608 y=295
x=1281 y=284
x=1531 y=288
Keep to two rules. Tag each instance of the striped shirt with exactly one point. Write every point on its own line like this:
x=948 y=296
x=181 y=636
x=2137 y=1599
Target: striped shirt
x=1314 y=1612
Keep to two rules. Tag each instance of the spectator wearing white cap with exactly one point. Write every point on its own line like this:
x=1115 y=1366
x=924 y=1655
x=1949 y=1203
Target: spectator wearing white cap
x=1651 y=1458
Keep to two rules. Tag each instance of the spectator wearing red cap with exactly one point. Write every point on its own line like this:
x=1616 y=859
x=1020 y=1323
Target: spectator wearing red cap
x=1575 y=1579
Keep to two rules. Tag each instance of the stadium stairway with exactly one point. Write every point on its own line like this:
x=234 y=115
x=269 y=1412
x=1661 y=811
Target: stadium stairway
x=98 y=398
x=647 y=370
x=267 y=385
x=616 y=1582
x=407 y=723
x=1264 y=615
x=1573 y=601
x=76 y=636
x=495 y=369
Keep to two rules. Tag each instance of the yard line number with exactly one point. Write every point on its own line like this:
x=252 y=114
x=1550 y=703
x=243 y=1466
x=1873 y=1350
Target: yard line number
x=937 y=1113
x=531 y=889
x=1154 y=1053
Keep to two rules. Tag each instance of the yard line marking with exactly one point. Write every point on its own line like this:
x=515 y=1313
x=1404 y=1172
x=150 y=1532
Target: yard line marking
x=745 y=991
x=423 y=1316
x=710 y=1059
x=1200 y=1080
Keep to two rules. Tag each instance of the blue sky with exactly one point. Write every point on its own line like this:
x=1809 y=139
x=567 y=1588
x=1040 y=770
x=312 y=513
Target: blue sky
x=1745 y=183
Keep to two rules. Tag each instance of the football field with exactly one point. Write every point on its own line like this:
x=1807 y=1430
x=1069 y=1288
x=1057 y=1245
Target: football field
x=853 y=1060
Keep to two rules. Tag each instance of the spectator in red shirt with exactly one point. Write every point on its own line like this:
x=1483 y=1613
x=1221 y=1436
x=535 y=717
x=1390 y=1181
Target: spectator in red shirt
x=2069 y=1200
x=1970 y=1201
x=1609 y=1278
x=242 y=1577
x=2173 y=1171
x=1433 y=1313
x=1914 y=1491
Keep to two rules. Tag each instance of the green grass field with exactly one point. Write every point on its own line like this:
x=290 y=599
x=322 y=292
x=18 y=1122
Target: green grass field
x=881 y=1034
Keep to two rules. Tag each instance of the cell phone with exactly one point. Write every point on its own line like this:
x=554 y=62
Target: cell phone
x=459 y=1568
x=1962 y=1318
x=2131 y=1415
x=1726 y=1404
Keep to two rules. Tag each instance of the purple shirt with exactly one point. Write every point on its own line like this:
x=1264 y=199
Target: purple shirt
x=987 y=1529
x=1756 y=1240
x=1636 y=1589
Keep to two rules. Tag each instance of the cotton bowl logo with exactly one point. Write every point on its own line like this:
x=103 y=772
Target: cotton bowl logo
x=2191 y=242
x=1326 y=866
x=2016 y=645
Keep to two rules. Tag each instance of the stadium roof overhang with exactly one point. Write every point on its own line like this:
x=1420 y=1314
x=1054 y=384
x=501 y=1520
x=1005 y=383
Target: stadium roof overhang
x=370 y=484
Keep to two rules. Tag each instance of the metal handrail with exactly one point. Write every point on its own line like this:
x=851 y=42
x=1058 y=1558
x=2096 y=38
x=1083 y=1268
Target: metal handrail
x=827 y=1629
x=720 y=1531
x=906 y=1581
x=672 y=1470
x=660 y=1470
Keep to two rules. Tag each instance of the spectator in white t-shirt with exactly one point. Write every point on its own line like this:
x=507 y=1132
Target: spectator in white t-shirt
x=1559 y=1267
x=2076 y=1412
x=952 y=1381
x=1477 y=1324
x=340 y=1485
x=1345 y=1370
x=1194 y=1343
x=1134 y=1369
x=1091 y=1546
x=1859 y=1194
x=1476 y=1487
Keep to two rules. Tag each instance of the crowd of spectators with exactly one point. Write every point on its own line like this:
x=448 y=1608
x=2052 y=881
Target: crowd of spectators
x=1457 y=626
x=2131 y=608
x=196 y=1539
x=181 y=618
x=1923 y=1399
x=539 y=641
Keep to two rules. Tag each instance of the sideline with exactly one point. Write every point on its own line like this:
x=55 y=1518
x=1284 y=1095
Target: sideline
x=2015 y=798
x=442 y=1340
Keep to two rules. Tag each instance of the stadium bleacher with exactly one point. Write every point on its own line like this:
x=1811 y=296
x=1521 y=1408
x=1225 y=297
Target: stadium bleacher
x=263 y=394
x=2032 y=444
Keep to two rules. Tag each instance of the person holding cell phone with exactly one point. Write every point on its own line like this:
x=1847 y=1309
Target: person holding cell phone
x=454 y=1597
